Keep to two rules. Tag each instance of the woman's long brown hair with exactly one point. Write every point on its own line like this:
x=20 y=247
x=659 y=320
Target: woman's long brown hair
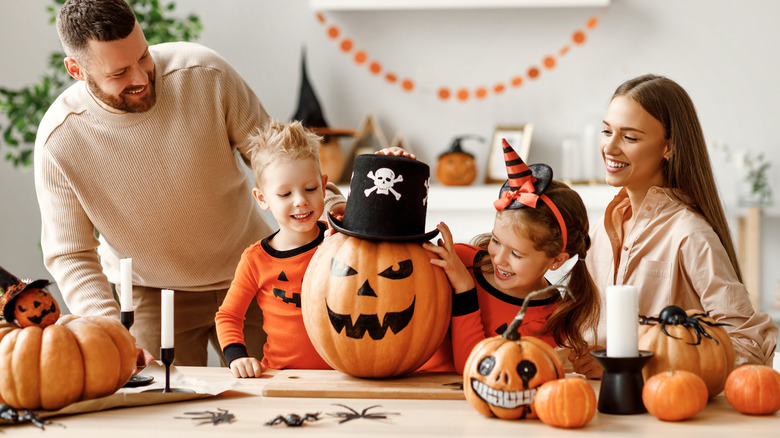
x=688 y=167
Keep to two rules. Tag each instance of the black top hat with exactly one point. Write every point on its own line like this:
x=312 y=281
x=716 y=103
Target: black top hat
x=11 y=287
x=309 y=111
x=388 y=199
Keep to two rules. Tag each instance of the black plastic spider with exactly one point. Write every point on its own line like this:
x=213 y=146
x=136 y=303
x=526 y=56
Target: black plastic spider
x=10 y=415
x=223 y=416
x=293 y=420
x=347 y=416
x=673 y=315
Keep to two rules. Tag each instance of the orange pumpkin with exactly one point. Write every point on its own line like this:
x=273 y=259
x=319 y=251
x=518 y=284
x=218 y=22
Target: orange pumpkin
x=706 y=351
x=674 y=395
x=375 y=308
x=36 y=307
x=72 y=360
x=502 y=373
x=456 y=167
x=568 y=403
x=754 y=389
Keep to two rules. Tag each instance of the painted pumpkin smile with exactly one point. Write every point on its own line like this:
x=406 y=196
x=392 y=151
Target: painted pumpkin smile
x=502 y=399
x=37 y=319
x=395 y=321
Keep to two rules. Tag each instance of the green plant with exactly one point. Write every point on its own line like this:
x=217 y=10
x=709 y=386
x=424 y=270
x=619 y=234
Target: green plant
x=23 y=108
x=757 y=178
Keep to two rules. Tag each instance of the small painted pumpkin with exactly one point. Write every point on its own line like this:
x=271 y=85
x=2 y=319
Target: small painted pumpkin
x=690 y=341
x=35 y=307
x=568 y=403
x=674 y=395
x=375 y=308
x=502 y=373
x=754 y=389
x=456 y=167
x=27 y=303
x=72 y=360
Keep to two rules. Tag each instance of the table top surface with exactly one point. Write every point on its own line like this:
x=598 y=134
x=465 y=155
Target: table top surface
x=404 y=417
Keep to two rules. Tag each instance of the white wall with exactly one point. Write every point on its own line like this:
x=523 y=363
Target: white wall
x=722 y=51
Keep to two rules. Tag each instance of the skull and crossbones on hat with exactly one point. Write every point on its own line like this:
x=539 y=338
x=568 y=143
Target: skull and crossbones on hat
x=384 y=179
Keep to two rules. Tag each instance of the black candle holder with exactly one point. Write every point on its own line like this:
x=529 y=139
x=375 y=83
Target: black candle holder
x=166 y=356
x=127 y=318
x=622 y=383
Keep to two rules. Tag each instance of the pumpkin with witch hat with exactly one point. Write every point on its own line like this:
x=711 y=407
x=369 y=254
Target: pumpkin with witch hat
x=27 y=303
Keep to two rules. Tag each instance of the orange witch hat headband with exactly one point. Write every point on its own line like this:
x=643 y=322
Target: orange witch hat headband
x=525 y=186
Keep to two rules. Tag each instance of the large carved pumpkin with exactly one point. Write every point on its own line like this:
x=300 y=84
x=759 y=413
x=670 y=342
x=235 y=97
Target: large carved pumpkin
x=502 y=373
x=688 y=341
x=375 y=308
x=72 y=360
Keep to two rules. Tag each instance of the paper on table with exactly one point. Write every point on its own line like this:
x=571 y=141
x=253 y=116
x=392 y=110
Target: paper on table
x=130 y=397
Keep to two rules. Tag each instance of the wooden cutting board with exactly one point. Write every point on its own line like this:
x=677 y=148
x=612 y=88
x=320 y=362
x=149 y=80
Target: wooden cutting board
x=335 y=384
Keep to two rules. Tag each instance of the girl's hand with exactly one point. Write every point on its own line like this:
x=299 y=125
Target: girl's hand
x=246 y=367
x=448 y=260
x=585 y=364
x=396 y=151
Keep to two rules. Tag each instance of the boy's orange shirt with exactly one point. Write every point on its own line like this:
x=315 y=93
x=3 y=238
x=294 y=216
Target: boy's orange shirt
x=274 y=279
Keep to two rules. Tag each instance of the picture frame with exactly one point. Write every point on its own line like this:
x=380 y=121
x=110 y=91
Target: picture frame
x=519 y=137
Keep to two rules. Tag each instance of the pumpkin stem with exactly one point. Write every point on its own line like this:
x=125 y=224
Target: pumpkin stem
x=512 y=332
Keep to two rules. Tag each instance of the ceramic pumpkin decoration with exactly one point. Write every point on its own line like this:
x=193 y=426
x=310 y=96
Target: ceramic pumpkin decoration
x=688 y=341
x=27 y=303
x=75 y=359
x=674 y=395
x=568 y=403
x=456 y=167
x=754 y=389
x=502 y=373
x=372 y=303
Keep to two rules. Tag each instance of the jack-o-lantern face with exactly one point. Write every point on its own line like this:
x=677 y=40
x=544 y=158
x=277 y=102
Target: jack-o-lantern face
x=359 y=305
x=456 y=169
x=36 y=307
x=502 y=373
x=501 y=376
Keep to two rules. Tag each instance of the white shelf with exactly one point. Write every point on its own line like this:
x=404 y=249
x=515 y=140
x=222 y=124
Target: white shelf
x=321 y=5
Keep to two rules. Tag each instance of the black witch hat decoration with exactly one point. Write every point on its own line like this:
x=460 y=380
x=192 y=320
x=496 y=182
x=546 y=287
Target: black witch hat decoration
x=309 y=111
x=388 y=200
x=11 y=287
x=525 y=185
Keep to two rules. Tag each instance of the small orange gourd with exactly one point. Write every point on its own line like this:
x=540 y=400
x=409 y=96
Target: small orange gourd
x=568 y=403
x=502 y=373
x=674 y=395
x=690 y=341
x=754 y=389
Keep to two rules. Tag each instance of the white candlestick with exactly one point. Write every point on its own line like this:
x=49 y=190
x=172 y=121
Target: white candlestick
x=622 y=321
x=166 y=319
x=126 y=285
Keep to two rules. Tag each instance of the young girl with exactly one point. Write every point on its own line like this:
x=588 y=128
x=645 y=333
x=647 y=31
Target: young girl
x=540 y=223
x=665 y=231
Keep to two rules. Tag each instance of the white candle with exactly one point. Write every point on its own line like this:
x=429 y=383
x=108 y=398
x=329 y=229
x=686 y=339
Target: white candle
x=622 y=321
x=166 y=319
x=126 y=284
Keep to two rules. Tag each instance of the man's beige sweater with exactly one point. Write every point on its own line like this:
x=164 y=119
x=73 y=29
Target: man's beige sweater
x=166 y=187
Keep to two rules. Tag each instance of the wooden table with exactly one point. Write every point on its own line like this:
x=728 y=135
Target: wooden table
x=429 y=418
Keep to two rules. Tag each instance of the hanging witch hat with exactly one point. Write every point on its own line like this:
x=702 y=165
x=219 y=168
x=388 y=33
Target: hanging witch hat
x=525 y=185
x=309 y=111
x=388 y=200
x=11 y=287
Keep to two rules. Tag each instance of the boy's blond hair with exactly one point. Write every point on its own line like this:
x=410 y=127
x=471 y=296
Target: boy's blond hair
x=282 y=142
